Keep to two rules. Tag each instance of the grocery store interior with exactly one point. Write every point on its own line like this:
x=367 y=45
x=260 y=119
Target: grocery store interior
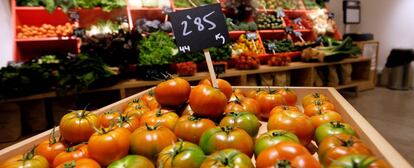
x=94 y=68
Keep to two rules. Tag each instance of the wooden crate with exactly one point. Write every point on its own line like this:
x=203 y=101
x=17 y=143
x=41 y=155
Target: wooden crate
x=379 y=146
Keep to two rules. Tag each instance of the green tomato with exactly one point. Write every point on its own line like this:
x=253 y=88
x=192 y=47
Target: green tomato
x=132 y=161
x=272 y=138
x=358 y=161
x=219 y=138
x=244 y=120
x=228 y=158
x=332 y=128
x=181 y=154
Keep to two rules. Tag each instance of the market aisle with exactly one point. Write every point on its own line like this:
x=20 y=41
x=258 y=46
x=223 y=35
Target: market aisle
x=391 y=113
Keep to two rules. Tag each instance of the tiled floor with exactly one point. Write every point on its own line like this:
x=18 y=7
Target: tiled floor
x=390 y=112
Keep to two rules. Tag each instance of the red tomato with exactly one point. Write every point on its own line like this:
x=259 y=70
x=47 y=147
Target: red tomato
x=81 y=163
x=223 y=86
x=108 y=118
x=70 y=154
x=316 y=106
x=289 y=95
x=108 y=145
x=51 y=148
x=243 y=105
x=150 y=100
x=128 y=121
x=190 y=128
x=207 y=101
x=283 y=108
x=286 y=154
x=295 y=122
x=166 y=118
x=172 y=92
x=267 y=101
x=325 y=116
x=335 y=146
x=148 y=140
x=77 y=126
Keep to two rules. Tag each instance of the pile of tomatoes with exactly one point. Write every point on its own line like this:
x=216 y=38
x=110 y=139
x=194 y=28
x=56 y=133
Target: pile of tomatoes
x=46 y=30
x=176 y=126
x=186 y=68
x=278 y=61
x=247 y=61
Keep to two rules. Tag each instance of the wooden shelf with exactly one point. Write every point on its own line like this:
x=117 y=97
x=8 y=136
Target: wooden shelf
x=136 y=83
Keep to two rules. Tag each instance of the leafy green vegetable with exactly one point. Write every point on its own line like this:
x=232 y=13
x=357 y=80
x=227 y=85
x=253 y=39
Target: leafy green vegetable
x=334 y=51
x=157 y=49
x=51 y=5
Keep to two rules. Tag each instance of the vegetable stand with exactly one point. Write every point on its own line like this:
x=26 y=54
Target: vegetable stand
x=378 y=145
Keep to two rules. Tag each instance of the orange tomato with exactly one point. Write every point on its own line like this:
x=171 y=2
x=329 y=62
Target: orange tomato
x=223 y=86
x=72 y=153
x=190 y=128
x=295 y=122
x=316 y=106
x=109 y=144
x=172 y=92
x=243 y=105
x=325 y=116
x=286 y=154
x=108 y=118
x=283 y=108
x=166 y=118
x=50 y=148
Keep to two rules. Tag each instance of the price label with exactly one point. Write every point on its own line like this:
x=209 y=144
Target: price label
x=298 y=21
x=251 y=36
x=280 y=13
x=297 y=34
x=79 y=32
x=74 y=16
x=167 y=10
x=271 y=46
x=199 y=28
x=288 y=30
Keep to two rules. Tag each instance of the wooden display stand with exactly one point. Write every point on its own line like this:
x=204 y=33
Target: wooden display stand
x=379 y=146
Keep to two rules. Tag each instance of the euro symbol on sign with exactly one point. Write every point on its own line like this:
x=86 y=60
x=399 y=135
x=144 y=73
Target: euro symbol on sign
x=219 y=36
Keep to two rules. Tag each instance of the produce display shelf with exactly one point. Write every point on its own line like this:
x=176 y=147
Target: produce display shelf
x=51 y=39
x=367 y=133
x=136 y=83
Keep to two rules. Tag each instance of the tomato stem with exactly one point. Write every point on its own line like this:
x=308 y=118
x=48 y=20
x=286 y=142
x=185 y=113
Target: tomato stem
x=152 y=128
x=30 y=154
x=193 y=118
x=71 y=164
x=278 y=133
x=336 y=124
x=158 y=112
x=283 y=164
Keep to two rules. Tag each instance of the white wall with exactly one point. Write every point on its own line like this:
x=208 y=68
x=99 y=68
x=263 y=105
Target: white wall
x=391 y=22
x=6 y=45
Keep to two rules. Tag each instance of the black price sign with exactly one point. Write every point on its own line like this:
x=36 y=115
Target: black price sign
x=199 y=28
